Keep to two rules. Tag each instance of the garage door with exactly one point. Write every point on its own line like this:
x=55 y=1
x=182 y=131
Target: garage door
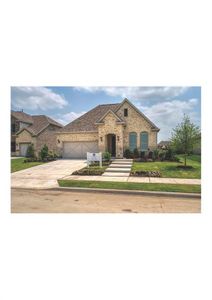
x=23 y=149
x=79 y=149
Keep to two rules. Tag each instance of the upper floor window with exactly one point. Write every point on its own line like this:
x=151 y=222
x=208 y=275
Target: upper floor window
x=125 y=112
x=13 y=128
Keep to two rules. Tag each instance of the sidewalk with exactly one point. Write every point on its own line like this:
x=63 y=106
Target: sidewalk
x=135 y=179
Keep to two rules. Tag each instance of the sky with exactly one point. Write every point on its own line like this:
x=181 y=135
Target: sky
x=164 y=106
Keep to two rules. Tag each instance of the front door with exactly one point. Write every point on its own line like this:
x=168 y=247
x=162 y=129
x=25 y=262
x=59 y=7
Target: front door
x=111 y=144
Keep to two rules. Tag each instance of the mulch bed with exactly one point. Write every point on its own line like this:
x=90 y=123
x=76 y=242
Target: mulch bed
x=145 y=174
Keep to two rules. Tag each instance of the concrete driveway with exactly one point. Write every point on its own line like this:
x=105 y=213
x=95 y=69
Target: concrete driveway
x=46 y=175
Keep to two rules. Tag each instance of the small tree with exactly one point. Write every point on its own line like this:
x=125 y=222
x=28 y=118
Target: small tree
x=30 y=151
x=185 y=136
x=44 y=152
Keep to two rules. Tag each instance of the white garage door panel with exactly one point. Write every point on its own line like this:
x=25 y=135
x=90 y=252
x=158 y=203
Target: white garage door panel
x=23 y=149
x=79 y=149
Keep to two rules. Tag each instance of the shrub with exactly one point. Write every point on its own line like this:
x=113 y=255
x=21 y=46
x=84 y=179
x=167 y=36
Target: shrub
x=155 y=154
x=51 y=154
x=143 y=156
x=30 y=159
x=162 y=155
x=107 y=156
x=146 y=173
x=96 y=163
x=169 y=154
x=44 y=152
x=56 y=155
x=88 y=171
x=128 y=153
x=135 y=153
x=30 y=151
x=150 y=155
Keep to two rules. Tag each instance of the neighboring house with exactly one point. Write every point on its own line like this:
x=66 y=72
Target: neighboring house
x=109 y=127
x=37 y=130
x=164 y=144
x=19 y=120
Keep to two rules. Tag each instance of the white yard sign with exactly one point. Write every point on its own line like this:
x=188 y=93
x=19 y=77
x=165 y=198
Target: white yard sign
x=92 y=157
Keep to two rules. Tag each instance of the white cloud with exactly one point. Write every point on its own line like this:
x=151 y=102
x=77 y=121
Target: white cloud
x=139 y=93
x=36 y=98
x=168 y=114
x=69 y=117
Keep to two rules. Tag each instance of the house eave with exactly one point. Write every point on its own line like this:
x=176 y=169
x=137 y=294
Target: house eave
x=117 y=122
x=73 y=132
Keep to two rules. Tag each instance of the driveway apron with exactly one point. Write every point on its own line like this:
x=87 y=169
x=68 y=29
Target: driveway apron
x=46 y=175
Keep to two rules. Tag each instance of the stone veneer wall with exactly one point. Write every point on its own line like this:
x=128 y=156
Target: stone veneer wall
x=136 y=123
x=48 y=137
x=110 y=126
x=24 y=137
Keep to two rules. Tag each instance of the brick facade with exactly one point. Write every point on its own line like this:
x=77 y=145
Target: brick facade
x=48 y=136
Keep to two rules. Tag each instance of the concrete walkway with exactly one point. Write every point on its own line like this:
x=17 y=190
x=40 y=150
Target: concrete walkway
x=119 y=168
x=135 y=179
x=45 y=175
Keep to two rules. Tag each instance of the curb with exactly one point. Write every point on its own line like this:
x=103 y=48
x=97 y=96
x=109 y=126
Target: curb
x=129 y=192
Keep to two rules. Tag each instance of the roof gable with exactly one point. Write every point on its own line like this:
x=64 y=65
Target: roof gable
x=40 y=123
x=87 y=122
x=101 y=120
x=153 y=126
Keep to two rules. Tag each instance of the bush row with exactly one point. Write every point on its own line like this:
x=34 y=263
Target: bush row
x=146 y=173
x=88 y=171
x=44 y=155
x=155 y=155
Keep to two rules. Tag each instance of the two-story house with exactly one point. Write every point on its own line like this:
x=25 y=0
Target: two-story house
x=36 y=129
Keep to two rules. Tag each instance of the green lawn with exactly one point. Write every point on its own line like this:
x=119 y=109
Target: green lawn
x=169 y=169
x=18 y=164
x=184 y=188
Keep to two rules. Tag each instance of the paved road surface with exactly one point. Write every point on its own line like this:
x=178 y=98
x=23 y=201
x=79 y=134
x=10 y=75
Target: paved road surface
x=32 y=201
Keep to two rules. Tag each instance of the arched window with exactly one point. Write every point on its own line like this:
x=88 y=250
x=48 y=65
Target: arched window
x=132 y=140
x=144 y=141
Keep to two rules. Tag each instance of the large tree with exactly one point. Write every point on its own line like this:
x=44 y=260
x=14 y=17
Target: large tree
x=185 y=136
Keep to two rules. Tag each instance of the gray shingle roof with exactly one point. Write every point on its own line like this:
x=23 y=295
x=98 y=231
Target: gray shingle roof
x=22 y=116
x=87 y=121
x=40 y=122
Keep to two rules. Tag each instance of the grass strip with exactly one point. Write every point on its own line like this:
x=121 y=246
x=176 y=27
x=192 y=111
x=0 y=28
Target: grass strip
x=159 y=187
x=18 y=164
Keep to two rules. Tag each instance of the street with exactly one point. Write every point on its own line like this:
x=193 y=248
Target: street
x=50 y=201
